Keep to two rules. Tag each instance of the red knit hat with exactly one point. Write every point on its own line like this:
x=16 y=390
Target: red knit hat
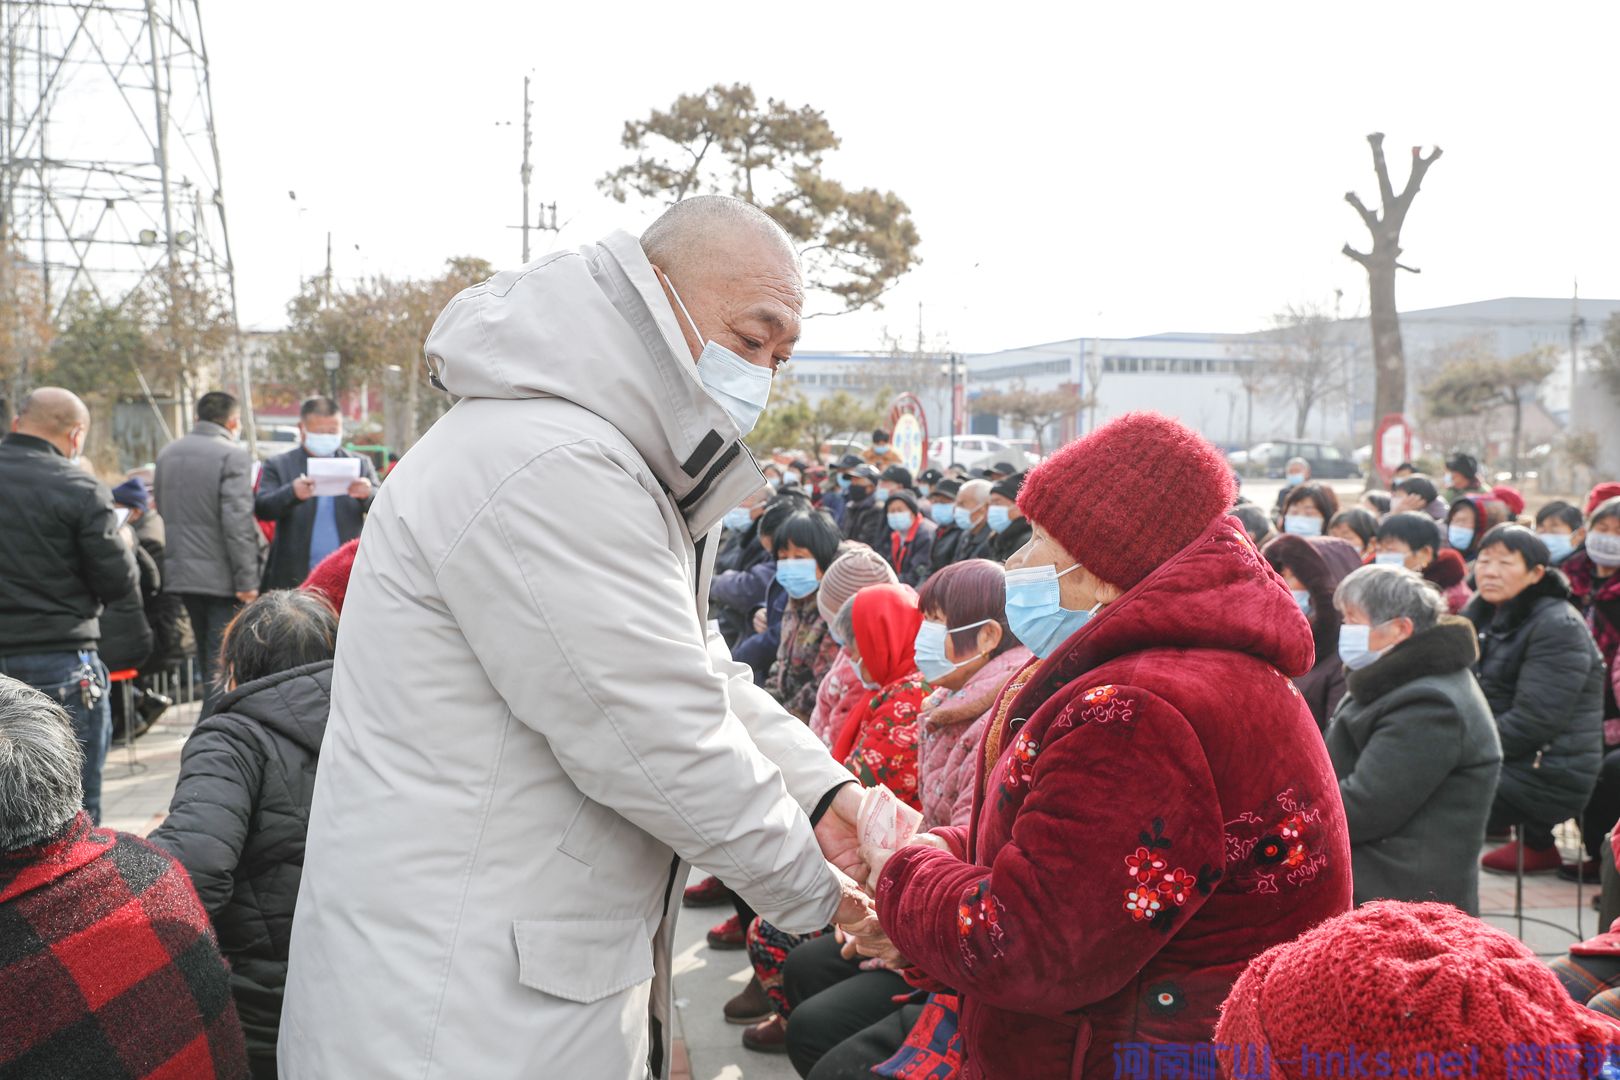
x=1601 y=494
x=330 y=577
x=1125 y=498
x=1407 y=980
x=1510 y=498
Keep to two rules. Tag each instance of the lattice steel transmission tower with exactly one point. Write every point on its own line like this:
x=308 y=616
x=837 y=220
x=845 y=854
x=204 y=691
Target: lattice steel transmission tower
x=109 y=166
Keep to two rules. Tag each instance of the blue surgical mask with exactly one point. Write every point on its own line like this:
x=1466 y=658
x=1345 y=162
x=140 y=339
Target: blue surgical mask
x=900 y=522
x=797 y=576
x=1603 y=548
x=322 y=445
x=1300 y=525
x=1353 y=647
x=880 y=448
x=998 y=518
x=924 y=489
x=942 y=513
x=930 y=648
x=1558 y=544
x=843 y=482
x=1295 y=479
x=1302 y=597
x=1459 y=536
x=1035 y=613
x=738 y=519
x=1389 y=558
x=740 y=388
x=963 y=517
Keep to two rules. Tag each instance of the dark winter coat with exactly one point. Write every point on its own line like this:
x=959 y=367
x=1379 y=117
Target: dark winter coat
x=108 y=967
x=975 y=544
x=742 y=573
x=1154 y=808
x=1543 y=676
x=62 y=557
x=1320 y=563
x=126 y=635
x=165 y=613
x=205 y=490
x=946 y=540
x=1414 y=745
x=237 y=823
x=913 y=557
x=864 y=521
x=1010 y=539
x=275 y=501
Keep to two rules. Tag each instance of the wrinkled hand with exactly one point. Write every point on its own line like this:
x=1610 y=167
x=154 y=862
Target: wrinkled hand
x=867 y=939
x=248 y=597
x=760 y=621
x=922 y=839
x=836 y=833
x=360 y=489
x=854 y=905
x=303 y=487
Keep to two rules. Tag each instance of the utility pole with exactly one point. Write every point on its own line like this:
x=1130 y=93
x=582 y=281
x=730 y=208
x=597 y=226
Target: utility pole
x=528 y=170
x=1576 y=326
x=328 y=268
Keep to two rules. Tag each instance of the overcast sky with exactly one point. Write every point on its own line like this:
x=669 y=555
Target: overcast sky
x=1130 y=171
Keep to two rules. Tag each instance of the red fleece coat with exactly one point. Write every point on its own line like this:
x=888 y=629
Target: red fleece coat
x=1155 y=807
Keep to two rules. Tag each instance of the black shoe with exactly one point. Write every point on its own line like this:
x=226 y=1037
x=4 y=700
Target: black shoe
x=1590 y=873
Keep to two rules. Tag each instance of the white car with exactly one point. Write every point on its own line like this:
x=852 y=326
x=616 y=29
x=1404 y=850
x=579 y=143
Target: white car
x=977 y=452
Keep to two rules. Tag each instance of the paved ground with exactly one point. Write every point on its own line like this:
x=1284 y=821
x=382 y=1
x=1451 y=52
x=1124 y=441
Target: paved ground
x=711 y=1049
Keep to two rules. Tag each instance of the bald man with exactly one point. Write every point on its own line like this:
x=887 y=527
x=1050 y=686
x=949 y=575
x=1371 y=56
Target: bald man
x=62 y=563
x=534 y=726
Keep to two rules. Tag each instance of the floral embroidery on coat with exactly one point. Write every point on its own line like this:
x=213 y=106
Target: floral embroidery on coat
x=1099 y=705
x=1275 y=846
x=980 y=912
x=804 y=657
x=1157 y=888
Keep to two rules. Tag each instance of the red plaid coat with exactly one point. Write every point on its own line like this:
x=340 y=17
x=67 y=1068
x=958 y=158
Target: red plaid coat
x=108 y=966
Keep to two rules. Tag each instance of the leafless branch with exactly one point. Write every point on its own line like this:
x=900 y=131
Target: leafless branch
x=1356 y=255
x=1408 y=269
x=1367 y=216
x=1386 y=191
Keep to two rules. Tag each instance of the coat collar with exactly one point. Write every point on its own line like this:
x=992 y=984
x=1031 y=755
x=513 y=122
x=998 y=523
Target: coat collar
x=1451 y=645
x=1508 y=617
x=212 y=430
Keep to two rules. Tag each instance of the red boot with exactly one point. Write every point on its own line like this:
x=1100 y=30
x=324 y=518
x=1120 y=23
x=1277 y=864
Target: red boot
x=706 y=893
x=1505 y=860
x=729 y=936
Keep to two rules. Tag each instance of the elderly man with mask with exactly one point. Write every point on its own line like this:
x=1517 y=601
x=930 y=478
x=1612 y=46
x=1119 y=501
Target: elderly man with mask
x=534 y=728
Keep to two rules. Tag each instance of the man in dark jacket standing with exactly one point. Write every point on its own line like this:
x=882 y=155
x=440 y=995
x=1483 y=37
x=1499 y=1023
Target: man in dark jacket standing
x=205 y=490
x=63 y=563
x=310 y=527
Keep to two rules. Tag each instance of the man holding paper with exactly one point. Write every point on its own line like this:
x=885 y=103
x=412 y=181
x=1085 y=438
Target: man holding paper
x=317 y=495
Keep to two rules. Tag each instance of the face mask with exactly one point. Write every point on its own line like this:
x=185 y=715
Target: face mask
x=740 y=388
x=900 y=522
x=322 y=445
x=1300 y=525
x=880 y=448
x=930 y=649
x=963 y=517
x=860 y=670
x=1302 y=597
x=773 y=482
x=1353 y=648
x=793 y=479
x=843 y=483
x=942 y=513
x=1460 y=536
x=1034 y=611
x=998 y=518
x=857 y=492
x=738 y=519
x=797 y=576
x=924 y=489
x=1603 y=548
x=1295 y=479
x=1390 y=558
x=1558 y=544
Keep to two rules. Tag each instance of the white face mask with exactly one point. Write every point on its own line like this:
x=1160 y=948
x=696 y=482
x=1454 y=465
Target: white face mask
x=740 y=388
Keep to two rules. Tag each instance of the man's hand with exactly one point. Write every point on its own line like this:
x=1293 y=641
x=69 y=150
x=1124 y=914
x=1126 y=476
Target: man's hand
x=866 y=938
x=854 y=905
x=303 y=487
x=360 y=489
x=760 y=621
x=836 y=832
x=922 y=839
x=248 y=597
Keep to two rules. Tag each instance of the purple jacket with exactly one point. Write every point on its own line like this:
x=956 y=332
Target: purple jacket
x=948 y=742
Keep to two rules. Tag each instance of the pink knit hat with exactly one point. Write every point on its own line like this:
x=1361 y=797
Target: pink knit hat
x=856 y=567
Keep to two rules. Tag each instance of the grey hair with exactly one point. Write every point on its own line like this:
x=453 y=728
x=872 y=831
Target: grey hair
x=41 y=785
x=1297 y=461
x=843 y=624
x=978 y=491
x=693 y=231
x=1391 y=592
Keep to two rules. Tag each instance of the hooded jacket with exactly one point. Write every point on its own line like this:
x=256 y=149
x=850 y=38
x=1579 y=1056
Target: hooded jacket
x=236 y=823
x=1415 y=749
x=1543 y=676
x=532 y=729
x=1154 y=808
x=878 y=740
x=1320 y=563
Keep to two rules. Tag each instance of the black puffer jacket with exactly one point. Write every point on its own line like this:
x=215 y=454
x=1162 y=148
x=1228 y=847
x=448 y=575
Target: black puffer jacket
x=1543 y=675
x=1004 y=544
x=237 y=823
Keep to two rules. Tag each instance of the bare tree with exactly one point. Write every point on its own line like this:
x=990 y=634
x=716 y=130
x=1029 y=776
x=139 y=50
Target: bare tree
x=1037 y=410
x=1306 y=365
x=1470 y=386
x=1389 y=360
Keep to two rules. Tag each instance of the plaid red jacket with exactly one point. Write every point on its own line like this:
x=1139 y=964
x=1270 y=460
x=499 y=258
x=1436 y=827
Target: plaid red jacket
x=108 y=965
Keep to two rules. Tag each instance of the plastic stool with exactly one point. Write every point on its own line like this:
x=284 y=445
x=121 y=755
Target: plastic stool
x=125 y=681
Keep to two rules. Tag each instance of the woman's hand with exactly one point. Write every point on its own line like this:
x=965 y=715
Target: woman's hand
x=922 y=839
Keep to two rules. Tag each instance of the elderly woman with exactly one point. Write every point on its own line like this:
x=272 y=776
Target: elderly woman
x=806 y=545
x=1312 y=567
x=241 y=803
x=1543 y=676
x=1155 y=802
x=1469 y=519
x=1356 y=525
x=1413 y=741
x=1307 y=509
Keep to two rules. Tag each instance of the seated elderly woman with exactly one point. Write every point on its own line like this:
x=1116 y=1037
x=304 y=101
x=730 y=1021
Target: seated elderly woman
x=1356 y=525
x=1156 y=805
x=241 y=803
x=1413 y=540
x=108 y=967
x=1413 y=741
x=1312 y=567
x=1543 y=676
x=1307 y=509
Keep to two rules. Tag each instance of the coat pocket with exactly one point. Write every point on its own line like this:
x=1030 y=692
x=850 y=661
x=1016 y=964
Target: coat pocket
x=588 y=833
x=582 y=960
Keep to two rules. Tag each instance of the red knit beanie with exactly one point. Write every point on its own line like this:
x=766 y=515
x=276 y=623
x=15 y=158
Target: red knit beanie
x=1510 y=498
x=1125 y=498
x=330 y=577
x=1406 y=980
x=1601 y=494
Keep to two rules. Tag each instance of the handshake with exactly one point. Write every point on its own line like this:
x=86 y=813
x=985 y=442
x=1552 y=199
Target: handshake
x=858 y=836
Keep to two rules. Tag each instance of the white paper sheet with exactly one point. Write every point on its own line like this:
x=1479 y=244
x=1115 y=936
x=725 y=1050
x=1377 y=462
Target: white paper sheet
x=333 y=476
x=884 y=824
x=122 y=514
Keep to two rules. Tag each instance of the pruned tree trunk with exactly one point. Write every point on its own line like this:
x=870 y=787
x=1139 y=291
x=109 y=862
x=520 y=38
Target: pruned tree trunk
x=1381 y=263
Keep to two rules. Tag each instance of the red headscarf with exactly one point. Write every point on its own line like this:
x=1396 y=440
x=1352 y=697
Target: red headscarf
x=886 y=621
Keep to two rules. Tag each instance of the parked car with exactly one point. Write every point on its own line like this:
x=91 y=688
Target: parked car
x=978 y=451
x=1271 y=459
